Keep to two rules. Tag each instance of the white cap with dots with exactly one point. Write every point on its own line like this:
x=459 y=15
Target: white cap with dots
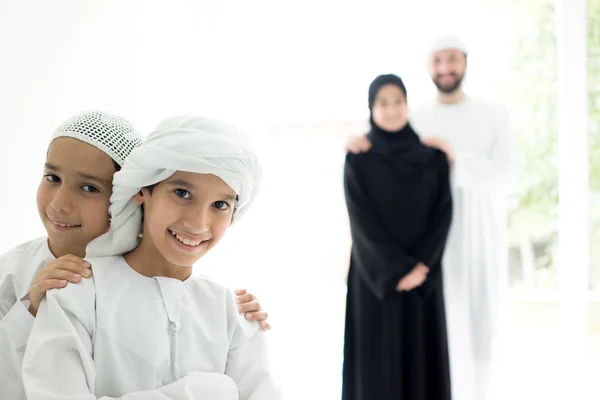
x=112 y=134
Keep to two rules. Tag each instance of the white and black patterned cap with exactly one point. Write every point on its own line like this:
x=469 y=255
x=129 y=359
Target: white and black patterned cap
x=112 y=134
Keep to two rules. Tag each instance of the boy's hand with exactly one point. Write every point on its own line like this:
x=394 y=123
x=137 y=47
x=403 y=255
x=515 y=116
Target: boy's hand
x=56 y=274
x=249 y=305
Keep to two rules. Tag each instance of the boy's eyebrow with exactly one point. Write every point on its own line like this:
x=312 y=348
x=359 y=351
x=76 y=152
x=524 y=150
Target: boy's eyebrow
x=81 y=174
x=186 y=184
x=230 y=197
x=181 y=182
x=93 y=178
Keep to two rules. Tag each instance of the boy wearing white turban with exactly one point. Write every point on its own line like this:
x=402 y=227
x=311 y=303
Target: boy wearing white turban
x=143 y=327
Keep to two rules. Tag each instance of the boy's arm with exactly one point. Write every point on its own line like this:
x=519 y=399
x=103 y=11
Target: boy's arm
x=15 y=327
x=248 y=364
x=58 y=361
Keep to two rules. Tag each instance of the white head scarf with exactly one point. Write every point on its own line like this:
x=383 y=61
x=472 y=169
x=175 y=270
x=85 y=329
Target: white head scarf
x=448 y=42
x=188 y=143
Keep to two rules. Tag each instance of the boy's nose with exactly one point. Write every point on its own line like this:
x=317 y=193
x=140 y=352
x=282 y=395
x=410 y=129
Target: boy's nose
x=62 y=202
x=198 y=222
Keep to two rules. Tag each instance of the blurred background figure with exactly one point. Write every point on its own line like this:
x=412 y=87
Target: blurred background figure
x=400 y=207
x=479 y=146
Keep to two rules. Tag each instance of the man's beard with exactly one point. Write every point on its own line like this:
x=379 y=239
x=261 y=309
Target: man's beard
x=448 y=89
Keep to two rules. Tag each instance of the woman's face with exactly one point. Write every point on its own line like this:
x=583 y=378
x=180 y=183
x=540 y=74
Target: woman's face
x=390 y=111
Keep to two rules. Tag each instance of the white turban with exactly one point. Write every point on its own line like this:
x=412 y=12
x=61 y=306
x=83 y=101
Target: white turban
x=188 y=143
x=448 y=42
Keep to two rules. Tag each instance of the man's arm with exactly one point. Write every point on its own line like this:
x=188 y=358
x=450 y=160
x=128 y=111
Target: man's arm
x=493 y=171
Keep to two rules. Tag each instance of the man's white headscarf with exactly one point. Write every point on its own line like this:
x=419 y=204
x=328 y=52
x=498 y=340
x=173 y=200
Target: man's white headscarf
x=448 y=41
x=188 y=143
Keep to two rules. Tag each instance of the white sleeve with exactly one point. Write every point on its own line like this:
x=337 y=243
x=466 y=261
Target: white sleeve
x=495 y=171
x=58 y=362
x=15 y=327
x=248 y=364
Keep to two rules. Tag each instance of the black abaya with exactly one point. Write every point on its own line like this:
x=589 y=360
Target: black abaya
x=400 y=214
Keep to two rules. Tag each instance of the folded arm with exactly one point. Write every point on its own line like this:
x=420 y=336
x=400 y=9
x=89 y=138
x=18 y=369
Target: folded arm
x=58 y=362
x=248 y=364
x=381 y=262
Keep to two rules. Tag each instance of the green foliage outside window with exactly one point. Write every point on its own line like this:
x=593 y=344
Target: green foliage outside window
x=531 y=95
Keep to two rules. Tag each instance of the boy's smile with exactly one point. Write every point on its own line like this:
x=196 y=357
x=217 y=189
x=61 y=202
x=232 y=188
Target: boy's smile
x=62 y=226
x=187 y=242
x=184 y=217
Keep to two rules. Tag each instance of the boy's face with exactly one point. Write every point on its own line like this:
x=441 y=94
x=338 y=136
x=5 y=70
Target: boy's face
x=74 y=195
x=186 y=215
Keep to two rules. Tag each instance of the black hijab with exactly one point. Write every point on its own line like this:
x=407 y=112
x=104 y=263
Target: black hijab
x=404 y=146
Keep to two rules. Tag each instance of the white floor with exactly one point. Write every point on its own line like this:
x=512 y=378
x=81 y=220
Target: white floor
x=307 y=353
x=292 y=251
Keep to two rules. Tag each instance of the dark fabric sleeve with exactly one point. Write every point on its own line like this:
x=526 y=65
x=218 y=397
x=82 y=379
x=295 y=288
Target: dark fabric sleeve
x=430 y=251
x=380 y=262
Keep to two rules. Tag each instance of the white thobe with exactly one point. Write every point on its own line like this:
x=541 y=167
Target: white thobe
x=121 y=335
x=475 y=264
x=18 y=268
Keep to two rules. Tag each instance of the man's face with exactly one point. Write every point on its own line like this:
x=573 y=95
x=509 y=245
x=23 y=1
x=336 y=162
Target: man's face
x=447 y=69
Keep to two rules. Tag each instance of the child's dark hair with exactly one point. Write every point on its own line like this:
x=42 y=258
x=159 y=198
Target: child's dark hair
x=150 y=189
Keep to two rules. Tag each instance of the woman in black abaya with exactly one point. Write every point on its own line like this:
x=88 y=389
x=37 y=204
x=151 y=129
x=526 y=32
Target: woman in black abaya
x=399 y=204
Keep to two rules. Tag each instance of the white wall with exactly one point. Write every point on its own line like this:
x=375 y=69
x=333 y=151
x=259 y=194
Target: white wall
x=256 y=63
x=253 y=62
x=573 y=243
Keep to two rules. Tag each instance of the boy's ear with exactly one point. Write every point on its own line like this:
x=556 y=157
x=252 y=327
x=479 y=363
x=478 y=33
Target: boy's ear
x=139 y=197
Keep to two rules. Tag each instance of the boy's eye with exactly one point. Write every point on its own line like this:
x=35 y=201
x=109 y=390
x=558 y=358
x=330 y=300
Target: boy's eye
x=90 y=189
x=184 y=194
x=221 y=205
x=52 y=178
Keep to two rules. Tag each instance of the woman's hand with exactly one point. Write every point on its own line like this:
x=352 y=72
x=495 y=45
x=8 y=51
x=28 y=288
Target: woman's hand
x=413 y=279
